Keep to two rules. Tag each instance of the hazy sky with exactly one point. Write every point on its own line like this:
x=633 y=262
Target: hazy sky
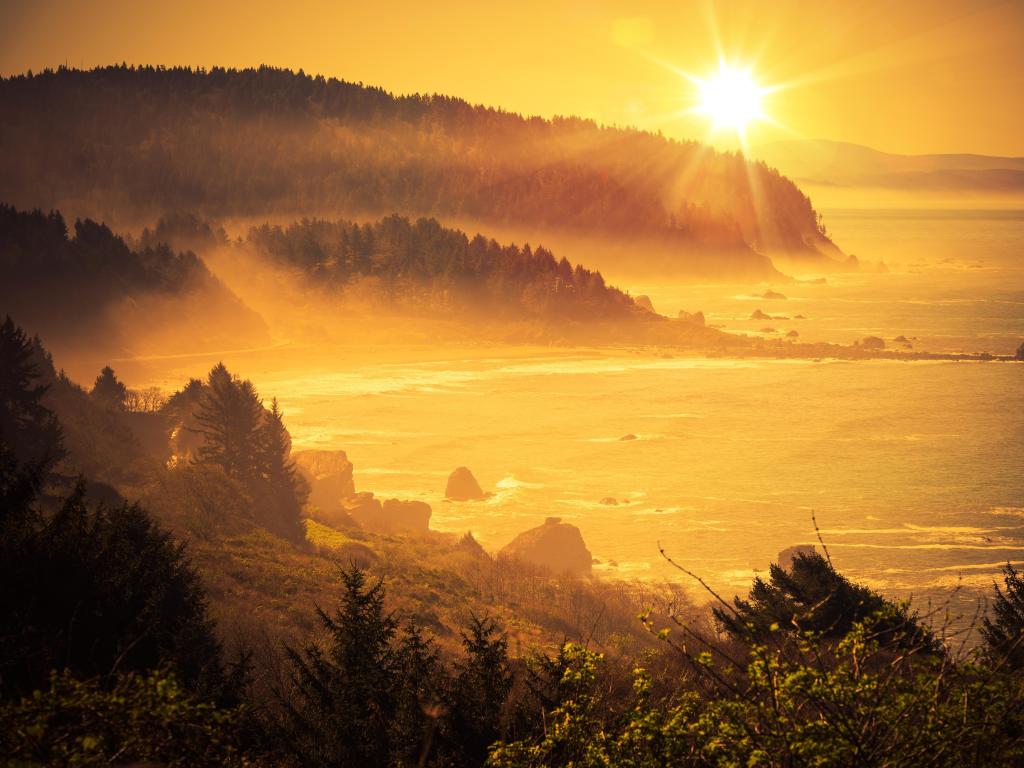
x=900 y=75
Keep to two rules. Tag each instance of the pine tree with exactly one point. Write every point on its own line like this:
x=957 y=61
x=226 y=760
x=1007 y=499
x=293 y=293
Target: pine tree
x=31 y=439
x=230 y=416
x=480 y=692
x=108 y=391
x=1004 y=636
x=287 y=489
x=346 y=694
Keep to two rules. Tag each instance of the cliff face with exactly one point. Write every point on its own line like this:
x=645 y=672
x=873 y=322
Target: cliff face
x=557 y=546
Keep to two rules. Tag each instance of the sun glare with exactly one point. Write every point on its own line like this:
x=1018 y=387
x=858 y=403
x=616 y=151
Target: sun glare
x=730 y=98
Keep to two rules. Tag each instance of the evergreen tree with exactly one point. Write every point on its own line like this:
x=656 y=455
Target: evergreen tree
x=480 y=692
x=1004 y=636
x=346 y=693
x=812 y=597
x=230 y=416
x=30 y=434
x=99 y=591
x=108 y=391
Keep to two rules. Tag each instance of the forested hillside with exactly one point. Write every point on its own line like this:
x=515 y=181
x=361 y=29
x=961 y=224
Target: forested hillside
x=99 y=290
x=130 y=143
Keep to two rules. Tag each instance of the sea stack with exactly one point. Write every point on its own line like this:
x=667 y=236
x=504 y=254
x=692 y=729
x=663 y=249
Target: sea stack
x=462 y=486
x=557 y=546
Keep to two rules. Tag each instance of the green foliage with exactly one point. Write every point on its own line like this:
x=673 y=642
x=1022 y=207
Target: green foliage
x=813 y=598
x=147 y=718
x=1004 y=632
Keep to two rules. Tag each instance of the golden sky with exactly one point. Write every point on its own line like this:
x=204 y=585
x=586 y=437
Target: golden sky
x=908 y=76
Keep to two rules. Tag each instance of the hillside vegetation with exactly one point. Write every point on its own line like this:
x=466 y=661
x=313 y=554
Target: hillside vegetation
x=259 y=142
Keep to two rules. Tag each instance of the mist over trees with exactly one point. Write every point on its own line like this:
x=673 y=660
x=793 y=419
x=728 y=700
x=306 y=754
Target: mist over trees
x=261 y=141
x=424 y=265
x=101 y=291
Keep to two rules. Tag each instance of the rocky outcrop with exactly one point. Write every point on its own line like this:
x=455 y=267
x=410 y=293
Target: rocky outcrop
x=329 y=474
x=692 y=318
x=557 y=546
x=788 y=555
x=644 y=302
x=609 y=501
x=773 y=296
x=1020 y=352
x=408 y=516
x=462 y=486
x=629 y=436
x=393 y=516
x=871 y=342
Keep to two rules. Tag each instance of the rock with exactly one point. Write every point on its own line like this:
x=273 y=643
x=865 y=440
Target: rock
x=610 y=501
x=629 y=436
x=393 y=516
x=787 y=555
x=644 y=302
x=329 y=474
x=695 y=318
x=768 y=330
x=792 y=335
x=757 y=314
x=462 y=486
x=555 y=545
x=872 y=342
x=1020 y=352
x=468 y=543
x=363 y=508
x=799 y=317
x=773 y=296
x=400 y=515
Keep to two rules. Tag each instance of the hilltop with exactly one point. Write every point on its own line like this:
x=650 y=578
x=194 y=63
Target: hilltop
x=262 y=142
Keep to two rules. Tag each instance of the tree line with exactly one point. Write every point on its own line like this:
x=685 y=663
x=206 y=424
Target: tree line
x=256 y=141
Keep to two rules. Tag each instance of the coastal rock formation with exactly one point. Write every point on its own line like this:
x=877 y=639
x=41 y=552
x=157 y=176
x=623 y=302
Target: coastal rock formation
x=1020 y=352
x=789 y=554
x=792 y=335
x=871 y=342
x=629 y=436
x=329 y=474
x=609 y=501
x=757 y=314
x=407 y=516
x=555 y=545
x=773 y=295
x=644 y=302
x=363 y=508
x=462 y=486
x=694 y=318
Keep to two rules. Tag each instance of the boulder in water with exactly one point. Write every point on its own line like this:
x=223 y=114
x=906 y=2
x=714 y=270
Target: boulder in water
x=462 y=486
x=789 y=554
x=773 y=296
x=629 y=436
x=409 y=516
x=557 y=546
x=610 y=501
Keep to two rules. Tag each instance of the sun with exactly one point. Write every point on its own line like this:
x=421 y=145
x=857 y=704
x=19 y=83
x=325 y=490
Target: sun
x=730 y=98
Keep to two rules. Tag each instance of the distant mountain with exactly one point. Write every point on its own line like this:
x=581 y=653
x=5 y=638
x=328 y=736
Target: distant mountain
x=817 y=161
x=129 y=144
